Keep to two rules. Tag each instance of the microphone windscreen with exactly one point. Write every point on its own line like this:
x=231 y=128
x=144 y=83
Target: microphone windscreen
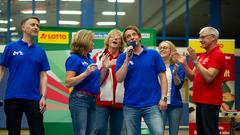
x=132 y=43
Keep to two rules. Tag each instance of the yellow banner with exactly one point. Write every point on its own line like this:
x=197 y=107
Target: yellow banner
x=227 y=45
x=53 y=37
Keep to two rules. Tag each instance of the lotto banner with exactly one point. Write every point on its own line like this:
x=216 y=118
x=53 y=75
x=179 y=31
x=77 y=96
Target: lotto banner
x=59 y=38
x=228 y=48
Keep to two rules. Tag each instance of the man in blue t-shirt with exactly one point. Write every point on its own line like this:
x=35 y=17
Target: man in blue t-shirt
x=27 y=64
x=140 y=68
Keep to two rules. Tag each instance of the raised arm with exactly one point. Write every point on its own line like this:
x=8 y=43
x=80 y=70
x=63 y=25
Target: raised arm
x=182 y=59
x=122 y=72
x=72 y=80
x=208 y=74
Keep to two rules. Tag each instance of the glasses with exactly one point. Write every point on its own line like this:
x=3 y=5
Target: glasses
x=204 y=36
x=163 y=48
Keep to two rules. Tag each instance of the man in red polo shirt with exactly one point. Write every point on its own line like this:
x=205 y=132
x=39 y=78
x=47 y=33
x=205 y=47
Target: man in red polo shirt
x=207 y=76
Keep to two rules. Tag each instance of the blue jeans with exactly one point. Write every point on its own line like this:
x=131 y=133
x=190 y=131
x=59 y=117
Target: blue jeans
x=151 y=115
x=14 y=109
x=173 y=115
x=82 y=108
x=115 y=117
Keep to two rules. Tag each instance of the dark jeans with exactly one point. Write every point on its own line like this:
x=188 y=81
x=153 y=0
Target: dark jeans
x=207 y=119
x=14 y=109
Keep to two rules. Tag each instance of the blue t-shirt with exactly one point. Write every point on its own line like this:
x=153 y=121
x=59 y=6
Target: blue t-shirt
x=79 y=64
x=141 y=84
x=24 y=65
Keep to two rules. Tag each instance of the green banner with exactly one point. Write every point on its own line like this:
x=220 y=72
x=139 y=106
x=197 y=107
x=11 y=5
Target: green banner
x=59 y=38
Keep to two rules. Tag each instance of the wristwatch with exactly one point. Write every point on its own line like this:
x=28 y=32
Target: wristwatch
x=195 y=61
x=164 y=98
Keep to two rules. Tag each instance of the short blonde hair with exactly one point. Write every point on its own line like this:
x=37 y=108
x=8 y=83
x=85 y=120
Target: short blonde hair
x=172 y=48
x=81 y=41
x=112 y=32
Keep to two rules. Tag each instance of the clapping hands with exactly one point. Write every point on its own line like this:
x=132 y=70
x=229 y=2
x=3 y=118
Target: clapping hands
x=182 y=58
x=106 y=62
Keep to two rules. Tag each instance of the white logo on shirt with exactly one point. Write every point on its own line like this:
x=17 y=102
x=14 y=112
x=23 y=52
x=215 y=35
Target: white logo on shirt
x=84 y=63
x=131 y=62
x=17 y=53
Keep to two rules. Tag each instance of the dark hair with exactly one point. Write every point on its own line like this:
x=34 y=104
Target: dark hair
x=27 y=18
x=130 y=27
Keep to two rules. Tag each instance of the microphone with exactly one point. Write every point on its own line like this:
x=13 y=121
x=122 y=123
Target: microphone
x=133 y=44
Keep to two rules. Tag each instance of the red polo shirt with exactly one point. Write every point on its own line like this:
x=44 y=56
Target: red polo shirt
x=209 y=93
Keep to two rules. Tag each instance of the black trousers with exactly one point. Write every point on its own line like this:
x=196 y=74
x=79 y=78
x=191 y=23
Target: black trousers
x=207 y=119
x=14 y=109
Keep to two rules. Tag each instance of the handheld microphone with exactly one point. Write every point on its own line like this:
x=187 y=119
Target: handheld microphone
x=133 y=44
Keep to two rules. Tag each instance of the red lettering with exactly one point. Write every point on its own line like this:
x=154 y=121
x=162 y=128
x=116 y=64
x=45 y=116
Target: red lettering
x=53 y=36
x=220 y=45
x=64 y=36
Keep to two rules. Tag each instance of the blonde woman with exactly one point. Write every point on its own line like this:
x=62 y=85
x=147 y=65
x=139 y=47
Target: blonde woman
x=175 y=76
x=83 y=75
x=109 y=101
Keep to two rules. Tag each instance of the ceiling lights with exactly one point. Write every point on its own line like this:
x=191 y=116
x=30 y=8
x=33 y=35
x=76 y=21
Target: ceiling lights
x=30 y=0
x=122 y=1
x=113 y=13
x=36 y=12
x=69 y=22
x=72 y=0
x=105 y=23
x=5 y=29
x=70 y=12
x=5 y=21
x=43 y=21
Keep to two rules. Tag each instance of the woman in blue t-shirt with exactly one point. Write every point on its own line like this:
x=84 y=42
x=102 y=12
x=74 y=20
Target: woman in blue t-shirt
x=83 y=75
x=175 y=76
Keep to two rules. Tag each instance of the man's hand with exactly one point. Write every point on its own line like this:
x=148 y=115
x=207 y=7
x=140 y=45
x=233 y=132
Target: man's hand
x=162 y=105
x=128 y=53
x=192 y=53
x=42 y=104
